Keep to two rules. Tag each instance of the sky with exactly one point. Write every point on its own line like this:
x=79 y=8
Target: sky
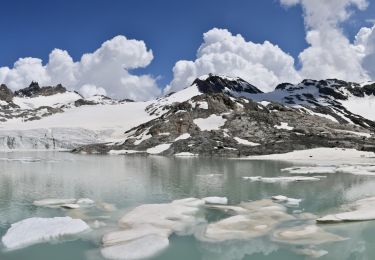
x=263 y=41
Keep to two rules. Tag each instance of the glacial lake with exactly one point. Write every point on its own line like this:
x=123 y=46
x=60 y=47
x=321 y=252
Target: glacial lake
x=129 y=181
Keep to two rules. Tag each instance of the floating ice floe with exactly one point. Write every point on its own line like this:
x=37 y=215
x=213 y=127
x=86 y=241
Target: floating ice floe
x=281 y=179
x=356 y=169
x=216 y=200
x=254 y=219
x=304 y=235
x=139 y=248
x=146 y=228
x=64 y=203
x=38 y=230
x=53 y=203
x=310 y=170
x=362 y=210
x=289 y=201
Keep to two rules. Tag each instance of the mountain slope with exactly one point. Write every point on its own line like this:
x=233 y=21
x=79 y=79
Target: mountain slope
x=345 y=102
x=225 y=123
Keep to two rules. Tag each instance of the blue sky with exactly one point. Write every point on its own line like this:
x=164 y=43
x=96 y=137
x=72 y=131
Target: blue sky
x=172 y=29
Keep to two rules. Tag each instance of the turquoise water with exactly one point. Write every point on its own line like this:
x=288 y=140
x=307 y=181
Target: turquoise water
x=128 y=181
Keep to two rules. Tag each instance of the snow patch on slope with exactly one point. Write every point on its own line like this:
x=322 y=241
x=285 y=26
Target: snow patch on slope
x=213 y=122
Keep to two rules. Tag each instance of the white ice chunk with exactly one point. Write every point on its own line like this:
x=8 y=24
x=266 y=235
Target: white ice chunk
x=216 y=200
x=53 y=202
x=281 y=179
x=38 y=230
x=140 y=248
x=289 y=201
x=362 y=210
x=178 y=216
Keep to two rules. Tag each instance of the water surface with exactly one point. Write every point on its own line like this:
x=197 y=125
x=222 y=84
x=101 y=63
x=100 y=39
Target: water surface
x=128 y=181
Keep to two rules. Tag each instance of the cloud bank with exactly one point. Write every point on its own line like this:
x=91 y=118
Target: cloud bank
x=330 y=53
x=263 y=65
x=105 y=71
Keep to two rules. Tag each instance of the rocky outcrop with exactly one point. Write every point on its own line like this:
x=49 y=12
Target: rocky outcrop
x=5 y=93
x=219 y=84
x=34 y=90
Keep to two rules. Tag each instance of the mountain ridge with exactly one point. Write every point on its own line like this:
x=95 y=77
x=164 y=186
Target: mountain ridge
x=215 y=116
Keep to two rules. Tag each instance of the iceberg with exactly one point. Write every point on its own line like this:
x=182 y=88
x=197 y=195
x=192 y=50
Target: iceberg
x=38 y=230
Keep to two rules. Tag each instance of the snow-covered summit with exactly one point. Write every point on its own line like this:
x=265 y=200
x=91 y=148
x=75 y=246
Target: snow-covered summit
x=222 y=84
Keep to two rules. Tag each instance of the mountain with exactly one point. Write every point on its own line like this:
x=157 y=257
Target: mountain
x=345 y=102
x=215 y=116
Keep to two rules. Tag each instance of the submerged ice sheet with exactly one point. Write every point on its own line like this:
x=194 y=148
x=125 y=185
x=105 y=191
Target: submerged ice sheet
x=146 y=228
x=304 y=235
x=281 y=179
x=139 y=248
x=38 y=230
x=360 y=210
x=289 y=201
x=252 y=220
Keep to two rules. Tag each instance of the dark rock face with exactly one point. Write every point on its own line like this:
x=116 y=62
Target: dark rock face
x=284 y=86
x=217 y=84
x=83 y=102
x=331 y=87
x=30 y=91
x=35 y=90
x=5 y=93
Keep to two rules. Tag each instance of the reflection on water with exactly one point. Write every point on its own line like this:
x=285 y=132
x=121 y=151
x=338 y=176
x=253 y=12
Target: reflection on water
x=127 y=181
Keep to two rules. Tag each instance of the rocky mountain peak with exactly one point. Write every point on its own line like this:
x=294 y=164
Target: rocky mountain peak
x=220 y=84
x=34 y=90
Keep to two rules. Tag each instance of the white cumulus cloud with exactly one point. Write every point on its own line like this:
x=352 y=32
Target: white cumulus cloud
x=365 y=43
x=330 y=53
x=88 y=90
x=107 y=68
x=221 y=52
